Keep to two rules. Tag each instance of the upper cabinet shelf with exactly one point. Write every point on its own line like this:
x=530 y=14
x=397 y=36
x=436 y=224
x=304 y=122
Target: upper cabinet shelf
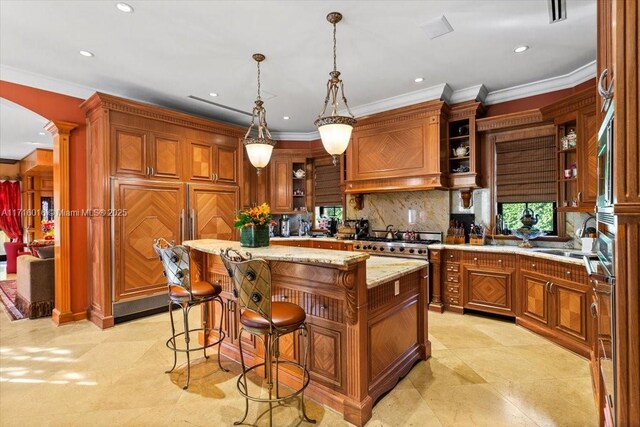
x=462 y=148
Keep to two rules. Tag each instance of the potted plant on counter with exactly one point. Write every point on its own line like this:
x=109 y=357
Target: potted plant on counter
x=254 y=226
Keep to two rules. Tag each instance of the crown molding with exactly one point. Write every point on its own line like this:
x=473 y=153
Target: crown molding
x=566 y=81
x=406 y=99
x=437 y=92
x=39 y=81
x=296 y=136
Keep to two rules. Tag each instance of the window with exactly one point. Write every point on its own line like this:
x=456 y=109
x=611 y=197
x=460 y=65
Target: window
x=511 y=213
x=324 y=213
x=526 y=178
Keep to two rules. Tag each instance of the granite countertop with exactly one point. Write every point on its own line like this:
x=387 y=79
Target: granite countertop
x=282 y=253
x=535 y=252
x=317 y=239
x=385 y=269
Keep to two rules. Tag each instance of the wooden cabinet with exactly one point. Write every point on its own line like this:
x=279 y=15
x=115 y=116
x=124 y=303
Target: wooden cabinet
x=211 y=161
x=488 y=290
x=463 y=149
x=488 y=282
x=451 y=289
x=288 y=193
x=396 y=150
x=605 y=52
x=152 y=211
x=294 y=243
x=534 y=298
x=554 y=301
x=211 y=212
x=576 y=162
x=177 y=177
x=145 y=154
x=281 y=184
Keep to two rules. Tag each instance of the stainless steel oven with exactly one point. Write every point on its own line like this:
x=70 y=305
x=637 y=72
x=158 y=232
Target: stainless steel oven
x=605 y=161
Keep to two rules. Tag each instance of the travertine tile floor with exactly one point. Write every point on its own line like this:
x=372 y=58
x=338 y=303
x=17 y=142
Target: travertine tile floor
x=483 y=372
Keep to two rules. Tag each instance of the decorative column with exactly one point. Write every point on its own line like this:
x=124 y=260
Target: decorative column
x=61 y=132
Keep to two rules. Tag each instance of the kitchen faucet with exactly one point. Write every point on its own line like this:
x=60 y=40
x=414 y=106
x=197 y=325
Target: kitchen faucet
x=583 y=231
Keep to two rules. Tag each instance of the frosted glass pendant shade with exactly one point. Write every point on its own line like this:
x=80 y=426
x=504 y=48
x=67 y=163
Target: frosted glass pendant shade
x=259 y=152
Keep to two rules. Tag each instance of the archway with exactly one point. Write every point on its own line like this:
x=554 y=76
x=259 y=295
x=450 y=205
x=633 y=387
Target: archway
x=66 y=125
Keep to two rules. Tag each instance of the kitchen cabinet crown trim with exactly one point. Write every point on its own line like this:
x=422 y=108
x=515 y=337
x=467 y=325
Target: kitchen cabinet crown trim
x=521 y=118
x=114 y=103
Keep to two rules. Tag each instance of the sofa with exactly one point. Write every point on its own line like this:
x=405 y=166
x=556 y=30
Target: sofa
x=35 y=286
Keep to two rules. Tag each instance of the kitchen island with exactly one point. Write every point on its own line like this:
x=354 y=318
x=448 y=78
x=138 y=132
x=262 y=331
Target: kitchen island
x=367 y=318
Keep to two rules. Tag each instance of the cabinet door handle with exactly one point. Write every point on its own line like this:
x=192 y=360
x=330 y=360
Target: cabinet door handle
x=533 y=266
x=451 y=256
x=499 y=261
x=568 y=273
x=579 y=196
x=475 y=259
x=152 y=171
x=284 y=297
x=193 y=223
x=551 y=287
x=182 y=225
x=546 y=287
x=323 y=307
x=594 y=309
x=146 y=171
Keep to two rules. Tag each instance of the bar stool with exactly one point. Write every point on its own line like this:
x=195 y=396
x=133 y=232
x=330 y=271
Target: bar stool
x=186 y=294
x=268 y=321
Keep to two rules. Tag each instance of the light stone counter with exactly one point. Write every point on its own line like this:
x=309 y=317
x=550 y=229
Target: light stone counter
x=281 y=253
x=385 y=269
x=534 y=252
x=309 y=238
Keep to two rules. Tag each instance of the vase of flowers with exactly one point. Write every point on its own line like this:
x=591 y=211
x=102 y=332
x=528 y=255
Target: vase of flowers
x=48 y=229
x=254 y=226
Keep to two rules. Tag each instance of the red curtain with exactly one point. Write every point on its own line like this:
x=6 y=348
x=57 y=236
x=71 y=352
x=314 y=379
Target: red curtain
x=10 y=214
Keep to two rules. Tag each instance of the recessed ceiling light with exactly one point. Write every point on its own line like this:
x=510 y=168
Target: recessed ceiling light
x=41 y=133
x=418 y=80
x=213 y=94
x=123 y=7
x=286 y=117
x=86 y=53
x=33 y=143
x=520 y=49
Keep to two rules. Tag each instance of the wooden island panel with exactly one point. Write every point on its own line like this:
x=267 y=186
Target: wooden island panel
x=356 y=351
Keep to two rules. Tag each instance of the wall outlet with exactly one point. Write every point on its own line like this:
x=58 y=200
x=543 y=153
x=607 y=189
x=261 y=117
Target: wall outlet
x=396 y=290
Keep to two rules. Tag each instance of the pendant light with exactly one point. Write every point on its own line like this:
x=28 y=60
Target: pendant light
x=259 y=148
x=335 y=130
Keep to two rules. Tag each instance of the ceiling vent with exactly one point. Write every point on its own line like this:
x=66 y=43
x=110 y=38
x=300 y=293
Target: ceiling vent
x=235 y=110
x=557 y=11
x=437 y=27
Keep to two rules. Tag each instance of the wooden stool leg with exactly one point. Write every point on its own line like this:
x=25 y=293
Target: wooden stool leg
x=305 y=373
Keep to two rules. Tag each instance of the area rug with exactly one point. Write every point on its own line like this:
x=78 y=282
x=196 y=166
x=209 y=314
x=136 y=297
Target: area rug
x=8 y=290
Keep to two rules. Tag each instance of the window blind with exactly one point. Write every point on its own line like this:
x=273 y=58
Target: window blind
x=327 y=186
x=526 y=170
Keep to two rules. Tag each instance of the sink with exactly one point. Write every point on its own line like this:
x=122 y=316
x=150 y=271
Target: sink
x=566 y=253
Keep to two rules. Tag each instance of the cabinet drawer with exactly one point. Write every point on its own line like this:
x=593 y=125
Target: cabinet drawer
x=452 y=267
x=337 y=246
x=452 y=277
x=489 y=259
x=557 y=269
x=452 y=256
x=451 y=299
x=450 y=288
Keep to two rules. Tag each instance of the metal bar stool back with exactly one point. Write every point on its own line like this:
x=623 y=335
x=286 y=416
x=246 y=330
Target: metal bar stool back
x=259 y=316
x=185 y=293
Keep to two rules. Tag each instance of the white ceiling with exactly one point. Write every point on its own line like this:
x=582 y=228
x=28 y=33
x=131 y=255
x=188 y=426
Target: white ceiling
x=166 y=51
x=20 y=131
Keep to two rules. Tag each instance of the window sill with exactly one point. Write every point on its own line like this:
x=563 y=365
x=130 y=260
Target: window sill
x=543 y=238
